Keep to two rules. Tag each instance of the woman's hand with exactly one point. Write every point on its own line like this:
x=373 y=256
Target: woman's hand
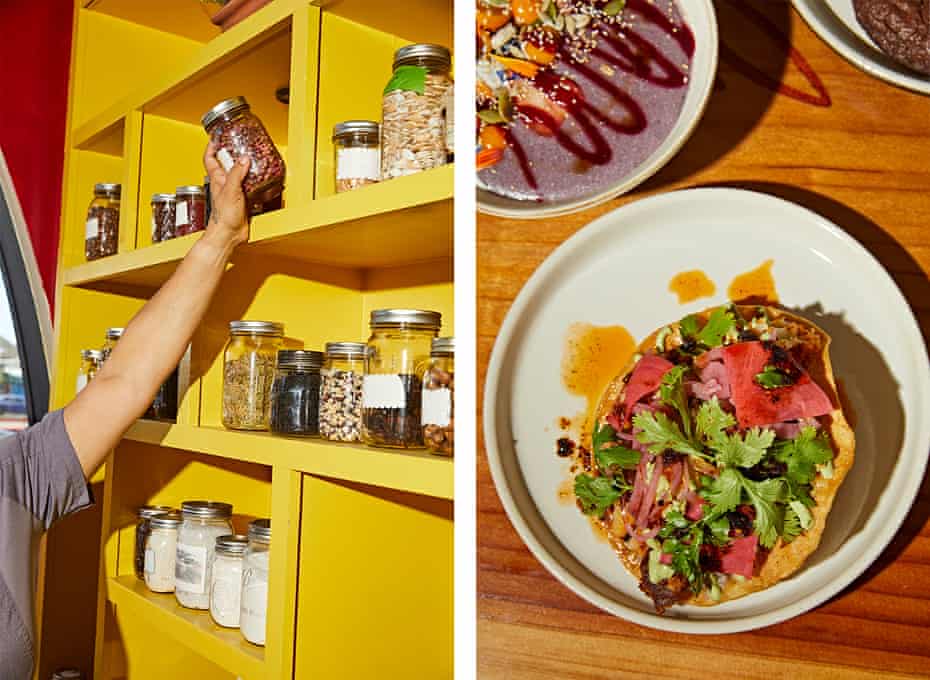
x=229 y=220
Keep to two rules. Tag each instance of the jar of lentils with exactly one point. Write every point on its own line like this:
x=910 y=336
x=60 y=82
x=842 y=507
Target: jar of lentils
x=191 y=210
x=295 y=396
x=162 y=217
x=101 y=234
x=413 y=128
x=341 y=391
x=399 y=346
x=237 y=132
x=143 y=528
x=358 y=154
x=248 y=373
x=203 y=522
x=439 y=398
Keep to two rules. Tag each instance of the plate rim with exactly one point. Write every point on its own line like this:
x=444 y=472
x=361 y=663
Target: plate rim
x=848 y=573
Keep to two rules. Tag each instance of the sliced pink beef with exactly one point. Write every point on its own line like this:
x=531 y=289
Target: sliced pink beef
x=714 y=382
x=646 y=378
x=758 y=406
x=793 y=429
x=740 y=556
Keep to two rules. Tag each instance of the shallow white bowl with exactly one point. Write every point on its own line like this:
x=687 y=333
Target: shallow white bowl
x=616 y=271
x=700 y=17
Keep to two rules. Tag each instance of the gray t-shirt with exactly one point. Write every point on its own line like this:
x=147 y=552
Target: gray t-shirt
x=41 y=481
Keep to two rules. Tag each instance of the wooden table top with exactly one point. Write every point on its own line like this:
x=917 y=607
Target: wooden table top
x=792 y=118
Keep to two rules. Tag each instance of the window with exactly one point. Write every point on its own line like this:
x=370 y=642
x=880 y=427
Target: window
x=13 y=414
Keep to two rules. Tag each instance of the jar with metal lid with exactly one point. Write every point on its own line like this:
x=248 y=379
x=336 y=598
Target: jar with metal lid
x=357 y=144
x=112 y=337
x=203 y=522
x=144 y=514
x=341 y=391
x=413 y=127
x=161 y=551
x=237 y=131
x=254 y=600
x=91 y=361
x=439 y=398
x=248 y=373
x=226 y=580
x=101 y=230
x=399 y=345
x=295 y=395
x=163 y=216
x=190 y=214
x=164 y=406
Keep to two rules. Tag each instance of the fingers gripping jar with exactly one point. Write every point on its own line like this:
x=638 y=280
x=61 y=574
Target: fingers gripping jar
x=397 y=349
x=101 y=235
x=439 y=398
x=203 y=522
x=248 y=373
x=341 y=391
x=413 y=128
x=237 y=132
x=358 y=154
x=253 y=613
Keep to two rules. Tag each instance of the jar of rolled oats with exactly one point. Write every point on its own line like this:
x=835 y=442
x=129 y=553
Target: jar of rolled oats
x=414 y=105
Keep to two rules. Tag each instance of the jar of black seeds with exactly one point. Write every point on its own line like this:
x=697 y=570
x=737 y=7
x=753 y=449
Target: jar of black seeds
x=295 y=395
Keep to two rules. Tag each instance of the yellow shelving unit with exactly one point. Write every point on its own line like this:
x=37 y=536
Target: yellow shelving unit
x=361 y=566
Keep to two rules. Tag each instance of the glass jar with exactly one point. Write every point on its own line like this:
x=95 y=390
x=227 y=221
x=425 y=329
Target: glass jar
x=295 y=396
x=237 y=131
x=400 y=343
x=161 y=546
x=165 y=404
x=144 y=514
x=112 y=337
x=203 y=522
x=226 y=580
x=190 y=213
x=163 y=216
x=413 y=127
x=254 y=605
x=248 y=374
x=101 y=230
x=91 y=361
x=357 y=144
x=439 y=398
x=341 y=391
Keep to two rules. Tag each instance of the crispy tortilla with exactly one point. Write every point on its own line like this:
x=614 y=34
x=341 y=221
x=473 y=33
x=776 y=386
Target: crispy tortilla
x=784 y=559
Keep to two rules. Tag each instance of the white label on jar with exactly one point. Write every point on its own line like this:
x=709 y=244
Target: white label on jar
x=383 y=391
x=358 y=163
x=92 y=228
x=225 y=159
x=437 y=407
x=149 y=561
x=81 y=381
x=180 y=214
x=190 y=569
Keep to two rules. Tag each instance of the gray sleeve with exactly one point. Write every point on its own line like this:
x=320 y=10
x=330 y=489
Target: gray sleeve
x=39 y=470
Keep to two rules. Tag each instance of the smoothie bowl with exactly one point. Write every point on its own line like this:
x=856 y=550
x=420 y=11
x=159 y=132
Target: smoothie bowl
x=579 y=101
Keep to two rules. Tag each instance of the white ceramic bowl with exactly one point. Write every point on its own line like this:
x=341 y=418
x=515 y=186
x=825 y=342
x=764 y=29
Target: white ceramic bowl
x=616 y=271
x=836 y=24
x=700 y=17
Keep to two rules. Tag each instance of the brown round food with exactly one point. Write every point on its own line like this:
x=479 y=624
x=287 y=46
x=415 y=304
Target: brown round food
x=900 y=27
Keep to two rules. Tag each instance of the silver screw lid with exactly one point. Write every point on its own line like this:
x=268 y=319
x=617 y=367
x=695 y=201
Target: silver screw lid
x=189 y=190
x=169 y=520
x=260 y=529
x=300 y=359
x=104 y=188
x=346 y=350
x=351 y=127
x=163 y=198
x=413 y=317
x=150 y=511
x=92 y=354
x=443 y=345
x=233 y=545
x=67 y=674
x=256 y=327
x=221 y=109
x=115 y=333
x=422 y=54
x=206 y=509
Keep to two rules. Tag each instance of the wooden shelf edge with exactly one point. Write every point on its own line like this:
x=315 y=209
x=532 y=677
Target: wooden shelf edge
x=193 y=629
x=415 y=472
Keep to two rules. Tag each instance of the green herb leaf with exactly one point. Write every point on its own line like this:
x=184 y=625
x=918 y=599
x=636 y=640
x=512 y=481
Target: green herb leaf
x=611 y=458
x=595 y=494
x=660 y=433
x=803 y=453
x=791 y=527
x=672 y=392
x=738 y=451
x=719 y=323
x=689 y=326
x=408 y=79
x=764 y=495
x=771 y=377
x=712 y=420
x=614 y=7
x=719 y=529
x=725 y=492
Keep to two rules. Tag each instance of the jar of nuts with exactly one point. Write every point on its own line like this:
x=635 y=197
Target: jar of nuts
x=101 y=234
x=191 y=209
x=248 y=373
x=162 y=217
x=438 y=413
x=397 y=350
x=341 y=391
x=237 y=131
x=414 y=104
x=358 y=154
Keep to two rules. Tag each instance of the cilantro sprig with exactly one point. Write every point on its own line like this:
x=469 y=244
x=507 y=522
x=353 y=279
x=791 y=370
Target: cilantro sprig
x=771 y=378
x=597 y=494
x=611 y=458
x=719 y=324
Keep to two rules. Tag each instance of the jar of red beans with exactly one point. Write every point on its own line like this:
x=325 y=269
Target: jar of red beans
x=101 y=235
x=237 y=132
x=190 y=209
x=162 y=217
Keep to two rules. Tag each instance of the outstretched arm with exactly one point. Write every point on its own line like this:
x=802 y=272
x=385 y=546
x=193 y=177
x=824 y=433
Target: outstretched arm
x=157 y=337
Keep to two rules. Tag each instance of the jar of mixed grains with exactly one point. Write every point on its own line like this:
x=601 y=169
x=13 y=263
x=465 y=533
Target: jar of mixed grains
x=248 y=374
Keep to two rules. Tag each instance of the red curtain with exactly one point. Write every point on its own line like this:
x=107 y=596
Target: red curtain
x=35 y=54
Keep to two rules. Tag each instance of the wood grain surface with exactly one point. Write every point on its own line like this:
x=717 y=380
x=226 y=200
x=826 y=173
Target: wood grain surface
x=788 y=117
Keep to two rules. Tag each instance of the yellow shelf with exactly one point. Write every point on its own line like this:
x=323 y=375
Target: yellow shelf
x=412 y=471
x=195 y=629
